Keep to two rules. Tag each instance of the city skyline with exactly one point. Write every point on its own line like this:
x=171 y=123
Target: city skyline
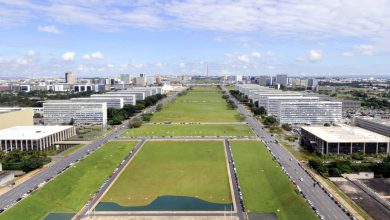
x=300 y=38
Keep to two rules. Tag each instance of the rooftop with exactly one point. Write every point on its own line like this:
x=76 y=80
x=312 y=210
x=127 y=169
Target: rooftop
x=345 y=134
x=377 y=120
x=30 y=132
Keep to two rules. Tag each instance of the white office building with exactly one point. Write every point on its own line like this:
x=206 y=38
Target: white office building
x=139 y=95
x=37 y=138
x=262 y=98
x=112 y=102
x=320 y=112
x=80 y=113
x=128 y=99
x=273 y=102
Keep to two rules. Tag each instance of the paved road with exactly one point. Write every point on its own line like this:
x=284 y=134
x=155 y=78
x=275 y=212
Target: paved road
x=10 y=197
x=233 y=175
x=324 y=204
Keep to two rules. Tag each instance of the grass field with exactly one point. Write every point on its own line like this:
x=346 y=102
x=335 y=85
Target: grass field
x=201 y=104
x=190 y=130
x=265 y=187
x=176 y=168
x=71 y=190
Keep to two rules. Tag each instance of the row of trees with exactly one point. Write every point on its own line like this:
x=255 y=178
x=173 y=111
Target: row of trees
x=23 y=160
x=336 y=168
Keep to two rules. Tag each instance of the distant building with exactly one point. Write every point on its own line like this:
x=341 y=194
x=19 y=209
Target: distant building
x=78 y=113
x=36 y=138
x=158 y=79
x=282 y=79
x=82 y=88
x=320 y=112
x=125 y=78
x=112 y=102
x=140 y=81
x=378 y=125
x=128 y=98
x=343 y=140
x=25 y=88
x=264 y=80
x=10 y=117
x=70 y=78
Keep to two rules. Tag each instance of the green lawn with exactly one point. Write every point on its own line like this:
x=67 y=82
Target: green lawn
x=71 y=190
x=190 y=130
x=265 y=187
x=201 y=104
x=176 y=168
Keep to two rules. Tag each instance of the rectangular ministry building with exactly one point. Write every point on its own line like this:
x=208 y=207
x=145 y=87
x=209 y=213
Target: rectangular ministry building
x=112 y=102
x=309 y=112
x=128 y=99
x=82 y=113
x=36 y=138
x=343 y=140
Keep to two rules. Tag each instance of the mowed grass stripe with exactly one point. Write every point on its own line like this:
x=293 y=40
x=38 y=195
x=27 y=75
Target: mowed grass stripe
x=71 y=190
x=265 y=187
x=198 y=107
x=175 y=168
x=189 y=130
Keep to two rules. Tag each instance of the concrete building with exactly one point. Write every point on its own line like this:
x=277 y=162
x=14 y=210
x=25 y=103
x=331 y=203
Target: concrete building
x=343 y=140
x=320 y=112
x=272 y=105
x=139 y=95
x=125 y=78
x=112 y=102
x=37 y=138
x=25 y=88
x=80 y=113
x=378 y=125
x=140 y=81
x=264 y=80
x=282 y=79
x=70 y=78
x=10 y=117
x=82 y=88
x=128 y=99
x=262 y=98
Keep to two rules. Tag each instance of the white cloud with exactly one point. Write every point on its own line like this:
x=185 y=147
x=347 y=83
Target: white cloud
x=136 y=65
x=243 y=58
x=49 y=29
x=182 y=65
x=93 y=56
x=347 y=54
x=110 y=65
x=68 y=56
x=31 y=53
x=270 y=67
x=365 y=49
x=256 y=54
x=314 y=55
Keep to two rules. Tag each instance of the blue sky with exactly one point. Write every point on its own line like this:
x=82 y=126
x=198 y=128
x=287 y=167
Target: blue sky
x=249 y=37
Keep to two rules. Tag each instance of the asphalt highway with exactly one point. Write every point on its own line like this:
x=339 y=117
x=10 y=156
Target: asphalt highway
x=10 y=198
x=319 y=198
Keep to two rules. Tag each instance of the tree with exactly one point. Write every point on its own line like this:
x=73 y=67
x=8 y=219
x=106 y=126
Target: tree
x=136 y=123
x=71 y=121
x=286 y=127
x=383 y=169
x=269 y=121
x=334 y=172
x=317 y=165
x=258 y=111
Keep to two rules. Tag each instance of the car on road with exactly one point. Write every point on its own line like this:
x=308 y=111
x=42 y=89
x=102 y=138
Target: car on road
x=301 y=179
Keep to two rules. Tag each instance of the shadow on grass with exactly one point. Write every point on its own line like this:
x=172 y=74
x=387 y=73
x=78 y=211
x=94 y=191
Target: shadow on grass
x=168 y=203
